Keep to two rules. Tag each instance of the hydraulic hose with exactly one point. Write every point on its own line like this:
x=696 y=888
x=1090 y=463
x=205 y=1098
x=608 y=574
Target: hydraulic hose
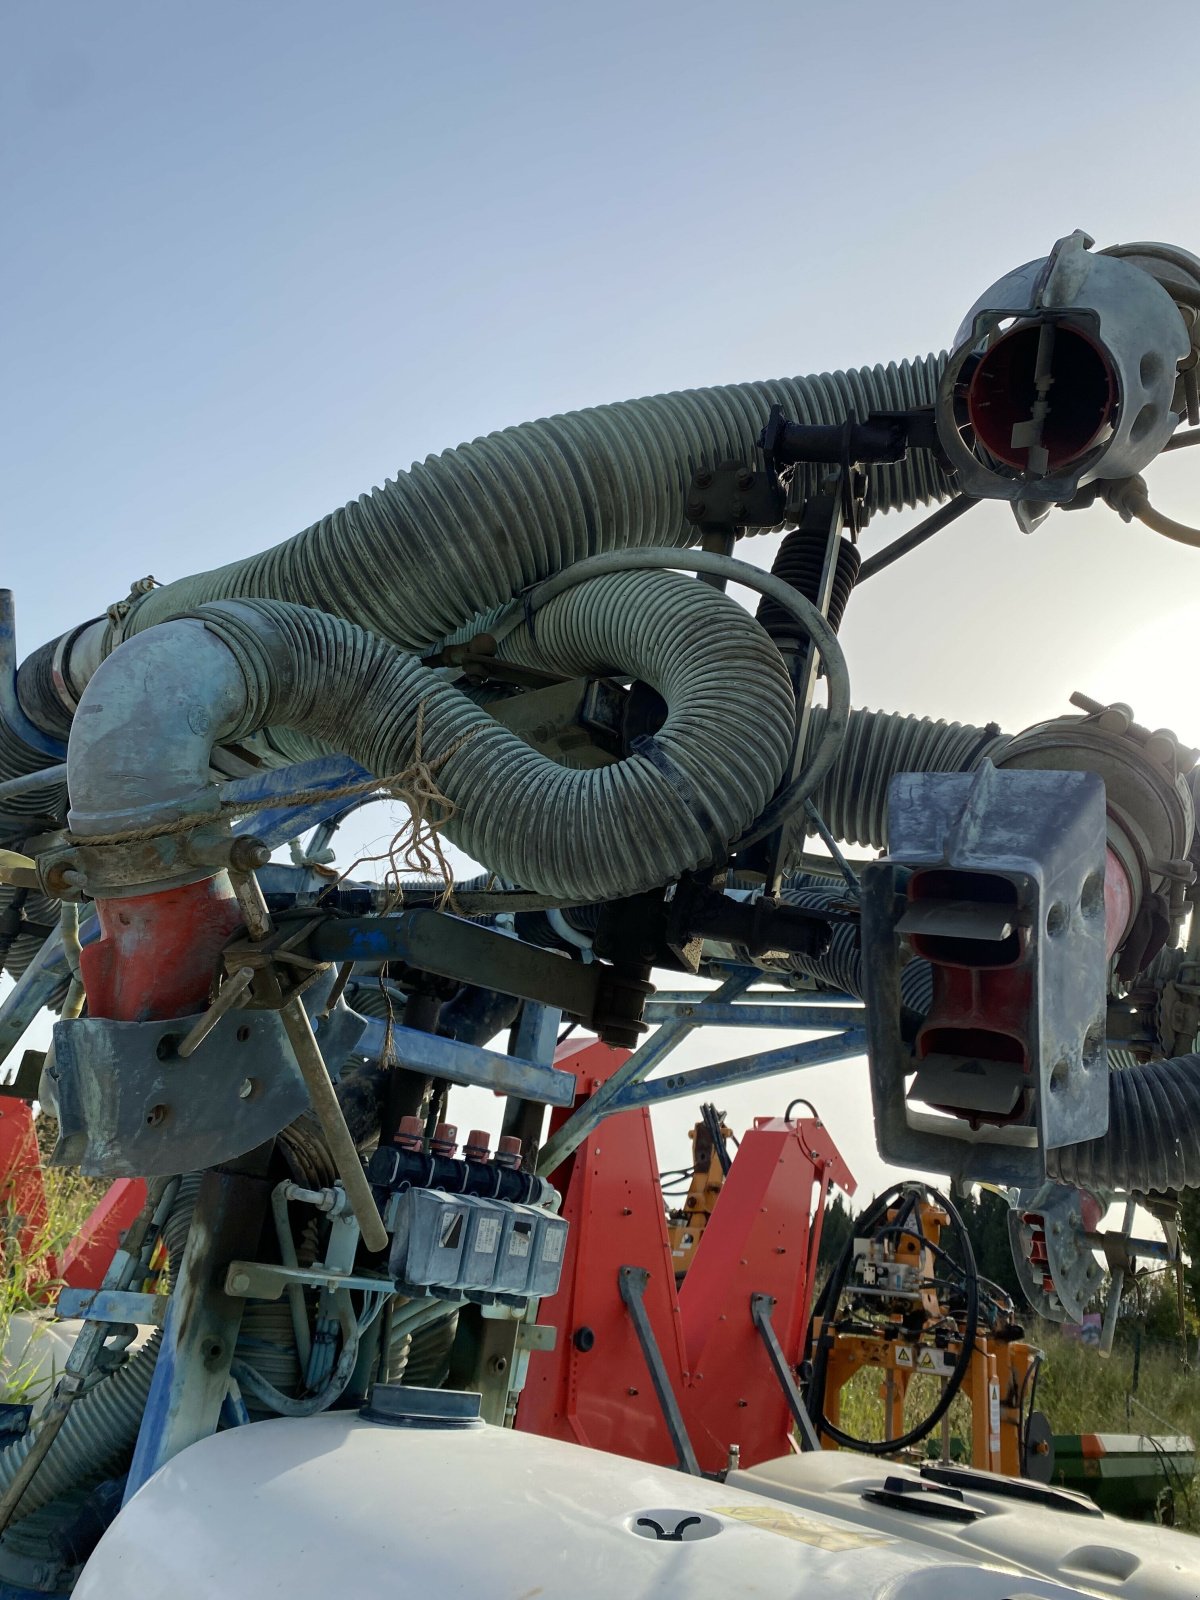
x=826 y=1309
x=97 y=1437
x=581 y=835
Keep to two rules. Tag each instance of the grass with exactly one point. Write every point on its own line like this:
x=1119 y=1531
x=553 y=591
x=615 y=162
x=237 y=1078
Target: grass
x=27 y=1281
x=1078 y=1390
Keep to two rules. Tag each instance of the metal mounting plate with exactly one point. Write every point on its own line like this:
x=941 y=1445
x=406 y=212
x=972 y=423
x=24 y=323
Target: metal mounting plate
x=127 y=1110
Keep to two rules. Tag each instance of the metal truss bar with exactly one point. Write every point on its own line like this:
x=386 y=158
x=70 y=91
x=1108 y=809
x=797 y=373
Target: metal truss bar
x=467 y=1063
x=752 y=1015
x=639 y=1065
x=774 y=997
x=761 y=1307
x=632 y=1282
x=283 y=822
x=536 y=1034
x=746 y=1069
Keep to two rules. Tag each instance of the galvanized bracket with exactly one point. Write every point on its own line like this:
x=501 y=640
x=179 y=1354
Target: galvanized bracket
x=632 y=1282
x=130 y=1106
x=761 y=1307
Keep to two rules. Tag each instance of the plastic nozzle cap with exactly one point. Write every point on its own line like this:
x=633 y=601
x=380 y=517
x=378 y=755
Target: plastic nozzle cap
x=445 y=1139
x=410 y=1135
x=508 y=1151
x=478 y=1145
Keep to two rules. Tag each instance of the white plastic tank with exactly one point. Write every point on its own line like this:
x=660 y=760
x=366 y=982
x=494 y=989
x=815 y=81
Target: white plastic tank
x=339 y=1505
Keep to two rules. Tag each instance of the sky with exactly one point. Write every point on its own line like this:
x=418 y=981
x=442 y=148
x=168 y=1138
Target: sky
x=257 y=257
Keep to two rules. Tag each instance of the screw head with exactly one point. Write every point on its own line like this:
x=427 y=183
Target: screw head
x=695 y=509
x=743 y=478
x=703 y=478
x=245 y=1088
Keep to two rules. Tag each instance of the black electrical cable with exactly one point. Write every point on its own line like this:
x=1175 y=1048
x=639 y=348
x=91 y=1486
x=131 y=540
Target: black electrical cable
x=906 y=1196
x=941 y=518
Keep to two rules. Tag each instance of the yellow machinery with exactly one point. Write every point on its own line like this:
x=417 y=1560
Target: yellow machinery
x=710 y=1163
x=903 y=1303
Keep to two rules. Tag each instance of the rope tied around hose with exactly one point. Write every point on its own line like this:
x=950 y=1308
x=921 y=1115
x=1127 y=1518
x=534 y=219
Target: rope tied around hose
x=415 y=847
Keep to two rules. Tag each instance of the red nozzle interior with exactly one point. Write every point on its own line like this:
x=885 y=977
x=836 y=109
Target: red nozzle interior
x=1081 y=397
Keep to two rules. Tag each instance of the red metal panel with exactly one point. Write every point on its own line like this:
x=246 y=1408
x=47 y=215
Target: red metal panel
x=757 y=1242
x=594 y=1386
x=86 y=1259
x=761 y=1239
x=22 y=1190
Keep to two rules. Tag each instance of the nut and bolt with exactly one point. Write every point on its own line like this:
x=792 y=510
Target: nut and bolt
x=247 y=853
x=695 y=508
x=743 y=477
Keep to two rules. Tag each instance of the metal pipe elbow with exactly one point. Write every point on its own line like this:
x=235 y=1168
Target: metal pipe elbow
x=141 y=740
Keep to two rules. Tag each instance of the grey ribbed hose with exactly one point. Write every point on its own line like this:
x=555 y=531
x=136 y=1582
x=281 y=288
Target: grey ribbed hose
x=464 y=531
x=98 y=1435
x=1153 y=1138
x=853 y=798
x=584 y=835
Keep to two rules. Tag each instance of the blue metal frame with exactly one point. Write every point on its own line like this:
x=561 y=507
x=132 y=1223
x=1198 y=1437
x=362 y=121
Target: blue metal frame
x=678 y=1013
x=10 y=706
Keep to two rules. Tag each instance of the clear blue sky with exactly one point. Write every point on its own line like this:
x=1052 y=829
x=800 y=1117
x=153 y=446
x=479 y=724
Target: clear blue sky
x=258 y=256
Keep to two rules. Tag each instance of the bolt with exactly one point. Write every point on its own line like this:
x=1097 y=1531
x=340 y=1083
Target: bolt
x=245 y=1088
x=695 y=509
x=703 y=478
x=239 y=1283
x=245 y=854
x=743 y=477
x=626 y=1211
x=631 y=1390
x=739 y=508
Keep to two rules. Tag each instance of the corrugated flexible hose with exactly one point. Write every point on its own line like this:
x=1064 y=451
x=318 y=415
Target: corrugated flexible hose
x=97 y=1438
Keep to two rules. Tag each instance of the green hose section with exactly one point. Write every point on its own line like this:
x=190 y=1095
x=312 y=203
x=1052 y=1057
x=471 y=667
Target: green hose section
x=580 y=835
x=466 y=530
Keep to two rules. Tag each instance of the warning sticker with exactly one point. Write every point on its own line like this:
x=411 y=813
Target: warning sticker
x=789 y=1525
x=553 y=1248
x=934 y=1361
x=487 y=1236
x=904 y=1355
x=519 y=1243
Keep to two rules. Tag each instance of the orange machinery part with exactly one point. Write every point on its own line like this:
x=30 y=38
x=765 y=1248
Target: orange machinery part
x=763 y=1236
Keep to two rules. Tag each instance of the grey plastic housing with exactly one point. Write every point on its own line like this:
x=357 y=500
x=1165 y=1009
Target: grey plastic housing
x=1030 y=846
x=480 y=1249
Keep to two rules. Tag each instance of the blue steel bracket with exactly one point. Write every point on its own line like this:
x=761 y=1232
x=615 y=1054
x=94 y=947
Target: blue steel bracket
x=746 y=1069
x=997 y=879
x=112 y=1305
x=281 y=822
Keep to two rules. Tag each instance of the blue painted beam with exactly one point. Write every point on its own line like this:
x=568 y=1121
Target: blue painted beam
x=746 y=1069
x=639 y=1065
x=111 y=1305
x=278 y=824
x=743 y=1014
